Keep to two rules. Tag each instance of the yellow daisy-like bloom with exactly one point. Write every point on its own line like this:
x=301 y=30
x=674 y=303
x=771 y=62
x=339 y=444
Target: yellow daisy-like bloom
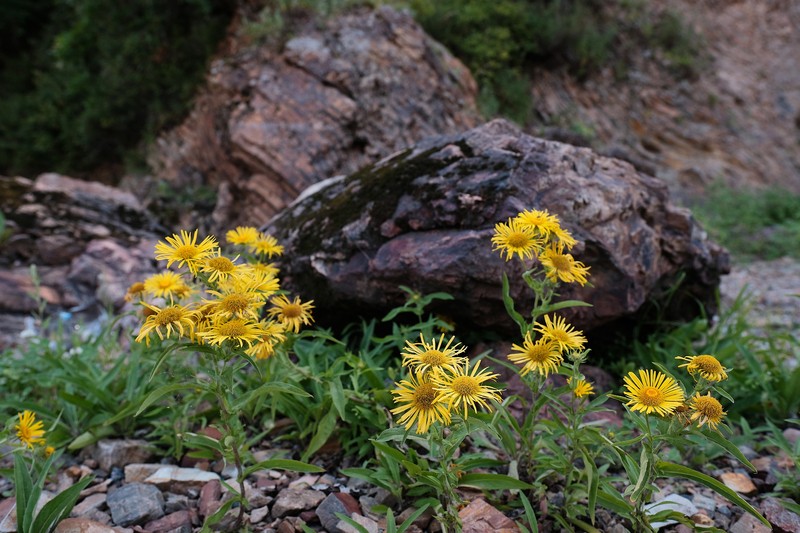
x=164 y=322
x=425 y=356
x=268 y=270
x=266 y=245
x=465 y=389
x=707 y=366
x=29 y=431
x=274 y=334
x=242 y=235
x=185 y=250
x=235 y=304
x=561 y=266
x=135 y=292
x=564 y=335
x=48 y=451
x=707 y=410
x=542 y=356
x=652 y=392
x=419 y=402
x=167 y=284
x=291 y=313
x=237 y=330
x=564 y=237
x=581 y=388
x=513 y=238
x=218 y=267
x=541 y=221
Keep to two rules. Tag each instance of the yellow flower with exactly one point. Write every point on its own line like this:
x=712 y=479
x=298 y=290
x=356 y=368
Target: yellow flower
x=173 y=318
x=419 y=402
x=267 y=270
x=242 y=235
x=235 y=304
x=167 y=284
x=652 y=392
x=29 y=431
x=236 y=330
x=561 y=266
x=513 y=238
x=466 y=389
x=184 y=250
x=581 y=388
x=541 y=221
x=706 y=365
x=266 y=245
x=563 y=334
x=425 y=356
x=542 y=356
x=273 y=335
x=48 y=451
x=292 y=314
x=218 y=267
x=135 y=291
x=707 y=410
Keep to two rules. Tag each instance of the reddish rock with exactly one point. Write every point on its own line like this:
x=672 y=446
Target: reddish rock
x=424 y=218
x=741 y=483
x=210 y=496
x=170 y=522
x=782 y=519
x=84 y=525
x=480 y=517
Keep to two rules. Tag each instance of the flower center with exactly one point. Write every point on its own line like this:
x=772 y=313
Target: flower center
x=234 y=328
x=540 y=353
x=707 y=363
x=465 y=385
x=424 y=395
x=561 y=262
x=433 y=358
x=292 y=310
x=186 y=251
x=164 y=283
x=518 y=239
x=708 y=407
x=169 y=315
x=221 y=264
x=235 y=303
x=651 y=396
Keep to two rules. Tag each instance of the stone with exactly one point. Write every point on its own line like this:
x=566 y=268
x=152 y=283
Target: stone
x=121 y=452
x=180 y=480
x=340 y=95
x=137 y=473
x=749 y=524
x=8 y=512
x=179 y=520
x=255 y=497
x=672 y=502
x=335 y=503
x=480 y=517
x=83 y=525
x=781 y=518
x=367 y=523
x=259 y=514
x=210 y=498
x=791 y=435
x=351 y=241
x=175 y=502
x=739 y=482
x=294 y=500
x=93 y=502
x=135 y=503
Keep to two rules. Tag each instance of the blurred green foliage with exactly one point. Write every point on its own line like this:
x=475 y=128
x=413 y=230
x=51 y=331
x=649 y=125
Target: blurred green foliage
x=82 y=82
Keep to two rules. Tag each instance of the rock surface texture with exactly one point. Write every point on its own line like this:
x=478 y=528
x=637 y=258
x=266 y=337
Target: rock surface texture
x=88 y=241
x=424 y=218
x=333 y=100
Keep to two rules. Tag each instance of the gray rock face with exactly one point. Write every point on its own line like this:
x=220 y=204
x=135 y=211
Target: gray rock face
x=135 y=503
x=336 y=98
x=425 y=217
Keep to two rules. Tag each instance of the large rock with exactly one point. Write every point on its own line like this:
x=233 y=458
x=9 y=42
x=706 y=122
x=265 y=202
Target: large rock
x=336 y=98
x=89 y=241
x=424 y=218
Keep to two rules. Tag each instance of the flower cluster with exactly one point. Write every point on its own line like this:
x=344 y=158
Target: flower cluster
x=215 y=299
x=545 y=354
x=535 y=234
x=655 y=392
x=440 y=382
x=30 y=433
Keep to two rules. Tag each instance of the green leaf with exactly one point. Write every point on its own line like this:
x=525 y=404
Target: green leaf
x=610 y=499
x=324 y=431
x=390 y=451
x=218 y=515
x=642 y=481
x=358 y=527
x=722 y=392
x=508 y=302
x=23 y=485
x=88 y=438
x=492 y=482
x=533 y=523
x=731 y=448
x=163 y=391
x=283 y=464
x=391 y=527
x=564 y=304
x=667 y=469
x=337 y=396
x=196 y=440
x=410 y=520
x=59 y=507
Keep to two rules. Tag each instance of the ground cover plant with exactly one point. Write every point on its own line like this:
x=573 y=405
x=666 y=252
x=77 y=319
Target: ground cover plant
x=415 y=411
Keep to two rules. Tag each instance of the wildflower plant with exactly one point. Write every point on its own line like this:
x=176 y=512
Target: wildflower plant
x=25 y=437
x=228 y=312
